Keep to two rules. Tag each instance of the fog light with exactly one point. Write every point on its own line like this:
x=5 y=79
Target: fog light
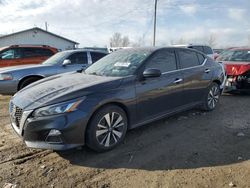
x=54 y=137
x=54 y=132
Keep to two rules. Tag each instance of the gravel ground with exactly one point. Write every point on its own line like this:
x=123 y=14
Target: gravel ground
x=191 y=149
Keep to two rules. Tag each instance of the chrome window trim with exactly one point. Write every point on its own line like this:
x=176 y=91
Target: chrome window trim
x=204 y=62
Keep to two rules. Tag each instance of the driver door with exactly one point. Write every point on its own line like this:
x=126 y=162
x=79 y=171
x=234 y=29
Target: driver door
x=78 y=61
x=160 y=95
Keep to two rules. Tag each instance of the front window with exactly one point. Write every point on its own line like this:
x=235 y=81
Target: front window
x=56 y=59
x=120 y=63
x=235 y=55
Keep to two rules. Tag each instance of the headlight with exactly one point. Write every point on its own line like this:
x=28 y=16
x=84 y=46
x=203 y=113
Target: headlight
x=57 y=108
x=6 y=76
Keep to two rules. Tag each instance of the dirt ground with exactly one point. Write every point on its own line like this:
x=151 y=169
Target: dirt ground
x=191 y=149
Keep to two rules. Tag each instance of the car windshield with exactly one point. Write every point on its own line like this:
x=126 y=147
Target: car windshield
x=235 y=55
x=56 y=59
x=120 y=63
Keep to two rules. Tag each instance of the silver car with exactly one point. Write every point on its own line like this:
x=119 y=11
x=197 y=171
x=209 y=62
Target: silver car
x=13 y=79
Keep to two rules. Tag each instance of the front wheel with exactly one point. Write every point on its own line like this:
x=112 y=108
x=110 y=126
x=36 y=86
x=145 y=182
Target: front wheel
x=107 y=128
x=212 y=97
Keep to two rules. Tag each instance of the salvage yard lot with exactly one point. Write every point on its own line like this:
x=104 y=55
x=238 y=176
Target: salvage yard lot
x=191 y=149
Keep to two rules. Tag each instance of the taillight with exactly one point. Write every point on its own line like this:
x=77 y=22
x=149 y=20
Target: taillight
x=237 y=69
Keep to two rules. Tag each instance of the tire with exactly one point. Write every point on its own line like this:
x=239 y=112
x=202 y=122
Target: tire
x=212 y=97
x=28 y=81
x=107 y=128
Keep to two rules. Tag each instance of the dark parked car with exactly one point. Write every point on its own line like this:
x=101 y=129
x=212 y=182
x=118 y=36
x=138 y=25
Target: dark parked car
x=121 y=91
x=13 y=79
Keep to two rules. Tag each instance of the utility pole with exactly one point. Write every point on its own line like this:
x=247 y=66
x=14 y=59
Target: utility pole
x=155 y=22
x=46 y=26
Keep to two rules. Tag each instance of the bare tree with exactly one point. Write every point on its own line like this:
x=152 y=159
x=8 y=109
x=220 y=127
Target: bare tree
x=125 y=41
x=171 y=42
x=118 y=41
x=181 y=41
x=212 y=40
x=140 y=42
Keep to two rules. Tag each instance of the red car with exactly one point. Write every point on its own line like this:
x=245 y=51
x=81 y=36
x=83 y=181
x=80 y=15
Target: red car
x=237 y=65
x=25 y=54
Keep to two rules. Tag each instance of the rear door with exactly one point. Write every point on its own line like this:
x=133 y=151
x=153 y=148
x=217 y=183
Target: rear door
x=195 y=73
x=157 y=96
x=34 y=55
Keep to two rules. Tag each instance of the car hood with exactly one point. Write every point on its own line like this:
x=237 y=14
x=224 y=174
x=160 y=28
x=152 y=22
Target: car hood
x=62 y=87
x=21 y=67
x=235 y=68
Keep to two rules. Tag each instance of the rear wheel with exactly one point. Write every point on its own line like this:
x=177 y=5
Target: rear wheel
x=28 y=81
x=212 y=97
x=107 y=128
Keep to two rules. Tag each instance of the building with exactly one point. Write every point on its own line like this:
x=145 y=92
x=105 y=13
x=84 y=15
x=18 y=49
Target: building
x=37 y=36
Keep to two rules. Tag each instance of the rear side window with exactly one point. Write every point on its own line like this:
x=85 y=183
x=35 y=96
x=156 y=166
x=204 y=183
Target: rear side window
x=44 y=52
x=36 y=52
x=201 y=58
x=207 y=50
x=188 y=59
x=199 y=48
x=95 y=56
x=78 y=58
x=164 y=60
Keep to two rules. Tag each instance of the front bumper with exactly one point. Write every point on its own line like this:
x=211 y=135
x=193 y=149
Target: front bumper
x=35 y=131
x=8 y=87
x=237 y=83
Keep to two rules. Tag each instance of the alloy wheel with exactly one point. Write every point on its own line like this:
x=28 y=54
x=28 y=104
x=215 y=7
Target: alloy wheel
x=110 y=129
x=213 y=97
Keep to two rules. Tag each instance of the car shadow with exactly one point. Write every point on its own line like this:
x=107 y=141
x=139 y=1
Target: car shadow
x=185 y=141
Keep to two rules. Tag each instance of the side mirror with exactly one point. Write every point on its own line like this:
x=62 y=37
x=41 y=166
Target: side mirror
x=66 y=62
x=150 y=73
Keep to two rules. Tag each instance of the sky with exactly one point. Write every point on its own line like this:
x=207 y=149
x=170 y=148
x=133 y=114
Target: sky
x=93 y=22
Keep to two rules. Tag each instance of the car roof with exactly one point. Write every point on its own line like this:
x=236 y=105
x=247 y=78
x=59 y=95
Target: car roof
x=240 y=48
x=153 y=49
x=29 y=45
x=187 y=45
x=85 y=50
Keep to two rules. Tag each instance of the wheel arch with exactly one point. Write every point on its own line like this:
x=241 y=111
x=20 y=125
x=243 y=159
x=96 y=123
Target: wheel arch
x=27 y=77
x=217 y=81
x=119 y=104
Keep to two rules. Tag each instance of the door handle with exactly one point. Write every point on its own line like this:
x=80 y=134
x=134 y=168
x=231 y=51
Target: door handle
x=178 y=80
x=207 y=70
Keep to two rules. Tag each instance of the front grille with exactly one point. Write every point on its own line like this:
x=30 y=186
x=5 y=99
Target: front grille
x=16 y=114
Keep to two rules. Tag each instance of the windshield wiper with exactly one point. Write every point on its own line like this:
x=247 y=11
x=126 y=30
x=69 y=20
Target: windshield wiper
x=93 y=73
x=81 y=70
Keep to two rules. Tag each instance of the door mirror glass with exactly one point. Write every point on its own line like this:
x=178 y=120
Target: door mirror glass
x=150 y=73
x=66 y=62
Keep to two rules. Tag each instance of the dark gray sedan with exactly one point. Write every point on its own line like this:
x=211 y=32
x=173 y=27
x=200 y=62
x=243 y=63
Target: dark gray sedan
x=121 y=91
x=13 y=79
